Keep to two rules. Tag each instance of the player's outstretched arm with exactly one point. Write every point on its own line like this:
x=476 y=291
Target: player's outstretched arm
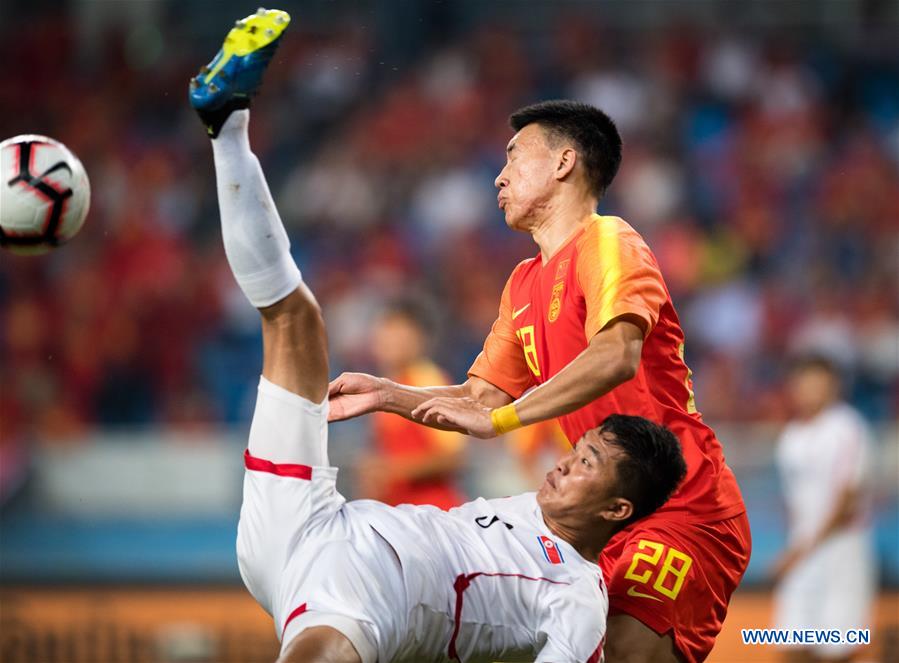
x=611 y=357
x=355 y=394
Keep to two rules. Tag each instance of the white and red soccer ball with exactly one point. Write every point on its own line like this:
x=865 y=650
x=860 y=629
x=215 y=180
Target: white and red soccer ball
x=44 y=194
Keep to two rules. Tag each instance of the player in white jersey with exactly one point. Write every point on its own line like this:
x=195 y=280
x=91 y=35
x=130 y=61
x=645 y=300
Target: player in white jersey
x=503 y=579
x=509 y=579
x=827 y=574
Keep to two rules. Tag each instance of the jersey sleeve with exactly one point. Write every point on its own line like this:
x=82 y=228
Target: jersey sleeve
x=502 y=362
x=572 y=635
x=618 y=275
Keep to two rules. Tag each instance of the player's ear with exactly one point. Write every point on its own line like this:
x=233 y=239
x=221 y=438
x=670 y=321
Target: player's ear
x=617 y=509
x=566 y=163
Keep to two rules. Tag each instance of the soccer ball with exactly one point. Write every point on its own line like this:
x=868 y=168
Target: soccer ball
x=44 y=194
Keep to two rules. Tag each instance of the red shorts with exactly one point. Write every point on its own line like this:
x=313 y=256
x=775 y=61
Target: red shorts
x=676 y=574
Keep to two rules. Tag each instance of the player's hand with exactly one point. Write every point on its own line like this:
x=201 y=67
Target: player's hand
x=464 y=414
x=354 y=394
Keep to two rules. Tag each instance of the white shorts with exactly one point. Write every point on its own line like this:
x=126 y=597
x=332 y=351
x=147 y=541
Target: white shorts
x=831 y=589
x=301 y=557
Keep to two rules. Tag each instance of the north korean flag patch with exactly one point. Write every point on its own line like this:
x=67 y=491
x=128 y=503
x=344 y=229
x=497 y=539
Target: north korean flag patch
x=551 y=550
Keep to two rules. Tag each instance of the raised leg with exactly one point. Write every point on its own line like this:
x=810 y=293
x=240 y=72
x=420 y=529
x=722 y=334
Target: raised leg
x=289 y=482
x=294 y=341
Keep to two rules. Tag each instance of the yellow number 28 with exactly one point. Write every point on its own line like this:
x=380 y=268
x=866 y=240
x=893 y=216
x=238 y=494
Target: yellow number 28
x=676 y=565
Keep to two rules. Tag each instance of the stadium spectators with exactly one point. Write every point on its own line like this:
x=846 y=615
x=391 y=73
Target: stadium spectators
x=763 y=174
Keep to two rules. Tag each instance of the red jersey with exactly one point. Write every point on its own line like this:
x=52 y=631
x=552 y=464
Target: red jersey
x=549 y=312
x=399 y=438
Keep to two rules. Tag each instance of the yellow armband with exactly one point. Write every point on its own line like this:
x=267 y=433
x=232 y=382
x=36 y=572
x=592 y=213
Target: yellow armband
x=505 y=419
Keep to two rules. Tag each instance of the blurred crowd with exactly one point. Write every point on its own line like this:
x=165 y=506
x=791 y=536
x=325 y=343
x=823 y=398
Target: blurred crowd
x=763 y=171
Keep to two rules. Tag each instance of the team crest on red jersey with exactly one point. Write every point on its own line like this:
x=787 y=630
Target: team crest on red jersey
x=551 y=550
x=555 y=302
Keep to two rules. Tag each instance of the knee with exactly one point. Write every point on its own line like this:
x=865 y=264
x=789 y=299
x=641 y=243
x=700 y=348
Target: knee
x=320 y=644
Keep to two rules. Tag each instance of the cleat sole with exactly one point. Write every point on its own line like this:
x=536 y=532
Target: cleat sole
x=232 y=78
x=243 y=38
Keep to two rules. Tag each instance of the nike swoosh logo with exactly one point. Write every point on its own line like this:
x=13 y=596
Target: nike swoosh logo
x=515 y=314
x=632 y=591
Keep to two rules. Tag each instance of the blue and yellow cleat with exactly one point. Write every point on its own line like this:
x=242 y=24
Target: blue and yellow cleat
x=234 y=75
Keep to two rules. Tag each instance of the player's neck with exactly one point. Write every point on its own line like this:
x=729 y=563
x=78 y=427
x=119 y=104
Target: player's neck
x=559 y=223
x=589 y=542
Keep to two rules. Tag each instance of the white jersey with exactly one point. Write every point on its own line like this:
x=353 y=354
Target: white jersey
x=489 y=581
x=817 y=459
x=486 y=581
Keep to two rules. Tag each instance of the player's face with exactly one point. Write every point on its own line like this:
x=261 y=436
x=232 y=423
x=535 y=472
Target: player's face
x=811 y=389
x=396 y=342
x=584 y=484
x=526 y=183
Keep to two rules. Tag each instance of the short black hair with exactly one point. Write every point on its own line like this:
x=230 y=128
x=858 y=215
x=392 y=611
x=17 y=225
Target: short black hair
x=413 y=309
x=653 y=465
x=594 y=134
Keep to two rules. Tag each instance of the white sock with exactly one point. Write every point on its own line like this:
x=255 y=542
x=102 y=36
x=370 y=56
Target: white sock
x=255 y=240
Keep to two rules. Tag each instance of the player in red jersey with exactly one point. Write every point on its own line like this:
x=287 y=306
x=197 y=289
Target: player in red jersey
x=587 y=328
x=409 y=464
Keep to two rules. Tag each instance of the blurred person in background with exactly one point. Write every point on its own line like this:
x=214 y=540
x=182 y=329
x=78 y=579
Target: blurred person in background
x=410 y=464
x=587 y=328
x=826 y=576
